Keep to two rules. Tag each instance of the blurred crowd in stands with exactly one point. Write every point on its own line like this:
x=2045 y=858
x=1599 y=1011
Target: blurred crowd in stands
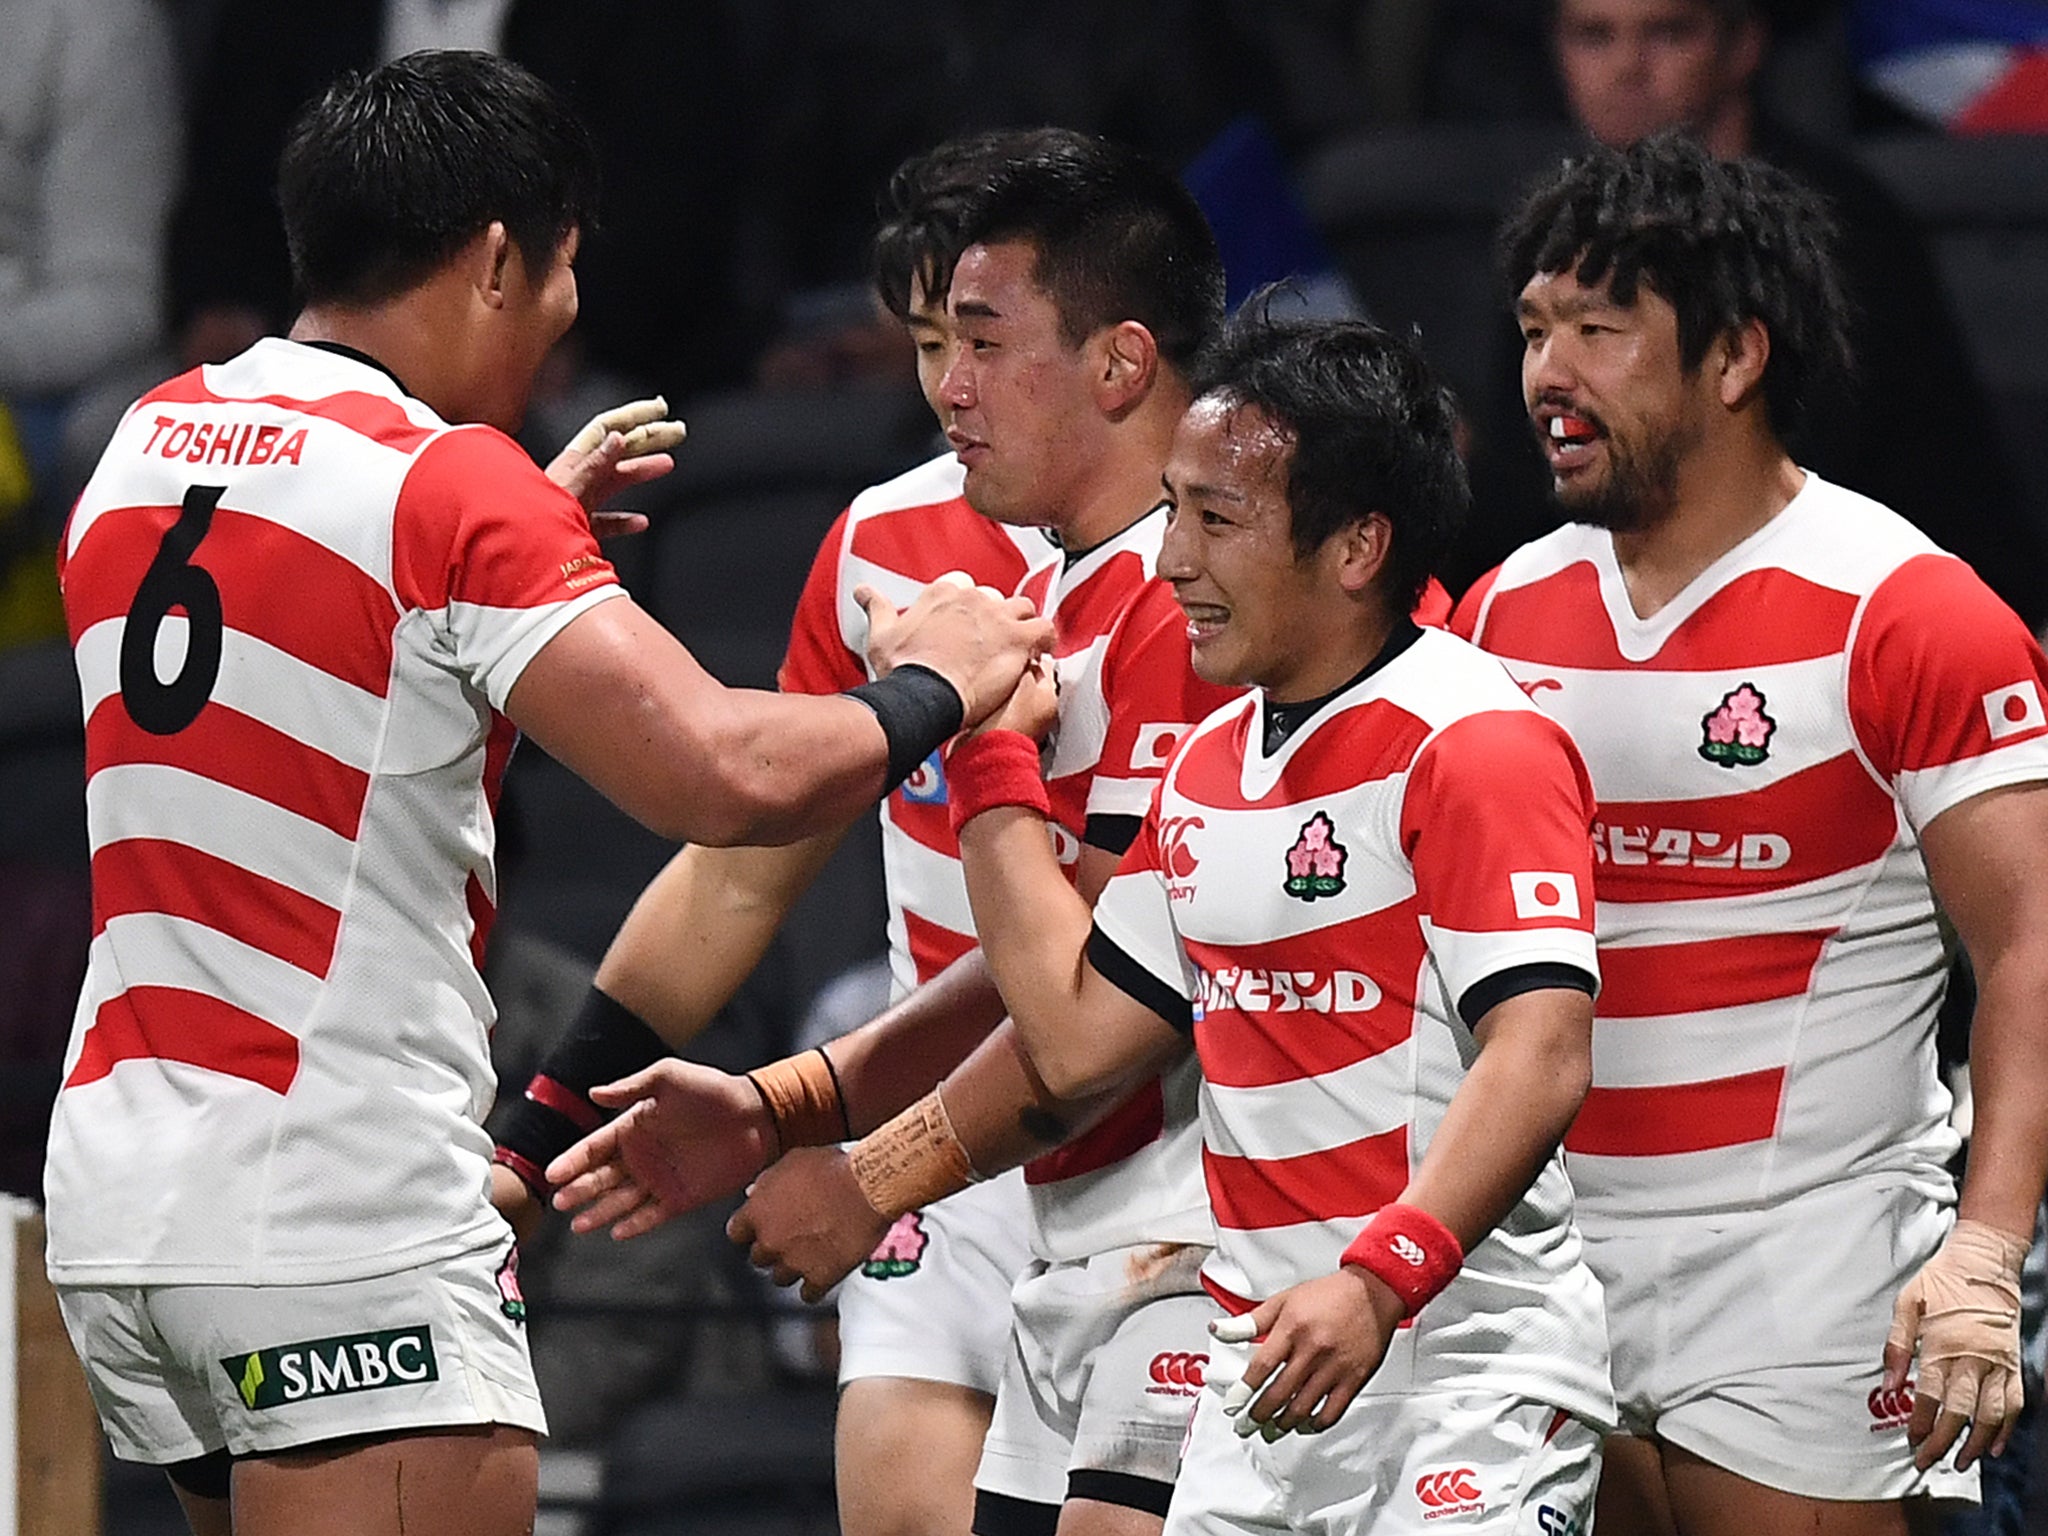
x=742 y=146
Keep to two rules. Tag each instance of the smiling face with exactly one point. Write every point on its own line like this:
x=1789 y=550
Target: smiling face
x=1616 y=410
x=1016 y=399
x=1257 y=612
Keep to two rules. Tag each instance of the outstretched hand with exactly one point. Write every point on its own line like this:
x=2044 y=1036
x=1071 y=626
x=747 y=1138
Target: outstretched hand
x=1318 y=1343
x=625 y=446
x=689 y=1135
x=806 y=1219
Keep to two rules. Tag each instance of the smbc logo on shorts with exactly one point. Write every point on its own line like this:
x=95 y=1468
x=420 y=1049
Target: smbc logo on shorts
x=350 y=1362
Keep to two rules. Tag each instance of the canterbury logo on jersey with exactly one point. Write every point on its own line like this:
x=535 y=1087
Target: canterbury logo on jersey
x=1178 y=1373
x=1448 y=1493
x=352 y=1362
x=2013 y=711
x=1260 y=991
x=1679 y=848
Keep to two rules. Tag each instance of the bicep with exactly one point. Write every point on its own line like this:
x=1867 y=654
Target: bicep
x=1987 y=859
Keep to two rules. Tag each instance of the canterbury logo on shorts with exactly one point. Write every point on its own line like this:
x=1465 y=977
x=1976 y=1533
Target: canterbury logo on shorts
x=1453 y=1492
x=351 y=1362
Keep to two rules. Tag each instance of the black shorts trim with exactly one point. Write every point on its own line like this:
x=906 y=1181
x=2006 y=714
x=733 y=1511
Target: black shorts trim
x=204 y=1477
x=1001 y=1514
x=1123 y=1489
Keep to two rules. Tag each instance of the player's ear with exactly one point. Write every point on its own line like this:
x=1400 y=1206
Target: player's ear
x=488 y=259
x=1126 y=364
x=1742 y=354
x=1363 y=548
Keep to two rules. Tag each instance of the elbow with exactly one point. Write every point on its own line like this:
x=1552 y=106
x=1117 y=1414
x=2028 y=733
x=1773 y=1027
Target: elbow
x=1071 y=1076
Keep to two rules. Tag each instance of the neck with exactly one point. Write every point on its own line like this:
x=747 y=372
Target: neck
x=1124 y=485
x=1330 y=661
x=408 y=335
x=1725 y=493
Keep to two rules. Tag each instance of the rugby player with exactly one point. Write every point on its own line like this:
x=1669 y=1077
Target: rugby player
x=1819 y=747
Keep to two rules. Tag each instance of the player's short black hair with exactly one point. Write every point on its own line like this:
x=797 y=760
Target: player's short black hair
x=1723 y=242
x=1116 y=236
x=1372 y=430
x=388 y=174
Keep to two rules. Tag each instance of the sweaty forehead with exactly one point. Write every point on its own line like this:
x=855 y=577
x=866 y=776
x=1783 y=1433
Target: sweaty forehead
x=1229 y=444
x=997 y=278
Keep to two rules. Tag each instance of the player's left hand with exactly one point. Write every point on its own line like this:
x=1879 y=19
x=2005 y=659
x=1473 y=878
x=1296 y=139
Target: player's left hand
x=806 y=1219
x=1318 y=1343
x=625 y=446
x=1034 y=704
x=1962 y=1311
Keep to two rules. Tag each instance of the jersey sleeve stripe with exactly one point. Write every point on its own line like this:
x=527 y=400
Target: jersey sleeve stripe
x=1135 y=982
x=228 y=747
x=1685 y=1117
x=148 y=875
x=1482 y=997
x=1640 y=981
x=170 y=1024
x=1355 y=1179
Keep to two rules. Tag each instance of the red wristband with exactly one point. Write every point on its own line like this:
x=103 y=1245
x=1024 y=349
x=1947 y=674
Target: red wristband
x=1411 y=1250
x=992 y=769
x=529 y=1175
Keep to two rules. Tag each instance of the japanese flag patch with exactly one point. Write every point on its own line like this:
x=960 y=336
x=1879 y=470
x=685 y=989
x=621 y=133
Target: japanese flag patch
x=1541 y=893
x=2012 y=711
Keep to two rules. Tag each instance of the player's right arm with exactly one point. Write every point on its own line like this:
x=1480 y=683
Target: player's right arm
x=617 y=699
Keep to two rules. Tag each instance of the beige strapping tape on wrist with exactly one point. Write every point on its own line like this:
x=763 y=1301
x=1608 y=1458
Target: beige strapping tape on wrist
x=913 y=1160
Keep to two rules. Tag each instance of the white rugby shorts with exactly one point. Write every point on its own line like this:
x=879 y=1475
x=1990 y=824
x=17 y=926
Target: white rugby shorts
x=1105 y=1362
x=1405 y=1465
x=180 y=1371
x=1756 y=1340
x=933 y=1302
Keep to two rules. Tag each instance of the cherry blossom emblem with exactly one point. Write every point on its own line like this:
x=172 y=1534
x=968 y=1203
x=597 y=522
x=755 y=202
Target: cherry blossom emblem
x=1738 y=733
x=1315 y=864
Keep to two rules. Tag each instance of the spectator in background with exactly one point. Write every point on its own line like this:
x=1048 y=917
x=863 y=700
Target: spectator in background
x=88 y=164
x=1915 y=430
x=228 y=276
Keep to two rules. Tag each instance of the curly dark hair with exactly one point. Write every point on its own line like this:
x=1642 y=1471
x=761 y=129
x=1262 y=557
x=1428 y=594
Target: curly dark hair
x=1723 y=242
x=1117 y=237
x=1371 y=427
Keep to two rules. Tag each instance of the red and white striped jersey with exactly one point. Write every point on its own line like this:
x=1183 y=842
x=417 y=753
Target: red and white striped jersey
x=298 y=601
x=1127 y=694
x=896 y=538
x=1766 y=749
x=1332 y=917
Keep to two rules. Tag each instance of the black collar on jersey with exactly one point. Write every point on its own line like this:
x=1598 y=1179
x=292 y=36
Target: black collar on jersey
x=1283 y=720
x=340 y=350
x=1069 y=558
